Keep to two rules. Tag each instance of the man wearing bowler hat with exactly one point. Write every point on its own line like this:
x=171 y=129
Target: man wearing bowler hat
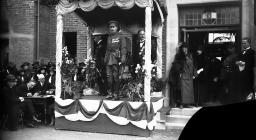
x=115 y=56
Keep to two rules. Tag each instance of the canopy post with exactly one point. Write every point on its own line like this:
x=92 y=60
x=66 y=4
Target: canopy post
x=147 y=78
x=89 y=43
x=159 y=52
x=58 y=53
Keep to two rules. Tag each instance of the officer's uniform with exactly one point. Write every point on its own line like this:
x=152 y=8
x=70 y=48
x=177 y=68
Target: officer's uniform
x=115 y=53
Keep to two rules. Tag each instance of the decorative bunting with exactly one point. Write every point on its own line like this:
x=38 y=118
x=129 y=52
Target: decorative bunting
x=121 y=112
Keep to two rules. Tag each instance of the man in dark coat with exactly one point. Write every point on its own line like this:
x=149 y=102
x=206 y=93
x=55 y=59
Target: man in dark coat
x=139 y=49
x=246 y=62
x=26 y=89
x=15 y=102
x=100 y=49
x=44 y=88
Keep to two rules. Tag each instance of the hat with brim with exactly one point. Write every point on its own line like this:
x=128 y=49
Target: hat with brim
x=11 y=78
x=42 y=68
x=21 y=71
x=52 y=69
x=36 y=63
x=40 y=76
x=113 y=21
x=25 y=64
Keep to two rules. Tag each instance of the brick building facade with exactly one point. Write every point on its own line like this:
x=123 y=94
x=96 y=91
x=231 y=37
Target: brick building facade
x=72 y=24
x=23 y=42
x=20 y=37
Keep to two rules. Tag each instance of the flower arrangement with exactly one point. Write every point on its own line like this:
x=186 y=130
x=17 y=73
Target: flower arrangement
x=91 y=72
x=156 y=83
x=134 y=87
x=68 y=65
x=71 y=89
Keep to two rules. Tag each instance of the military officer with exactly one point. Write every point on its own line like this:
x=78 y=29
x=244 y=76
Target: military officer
x=115 y=56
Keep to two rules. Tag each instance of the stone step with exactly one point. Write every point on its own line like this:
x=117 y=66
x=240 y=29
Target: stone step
x=160 y=120
x=170 y=126
x=184 y=111
x=160 y=125
x=177 y=119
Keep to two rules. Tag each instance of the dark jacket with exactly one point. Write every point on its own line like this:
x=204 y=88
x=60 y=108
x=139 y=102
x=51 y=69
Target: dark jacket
x=116 y=50
x=52 y=81
x=22 y=90
x=137 y=58
x=41 y=89
x=247 y=75
x=10 y=95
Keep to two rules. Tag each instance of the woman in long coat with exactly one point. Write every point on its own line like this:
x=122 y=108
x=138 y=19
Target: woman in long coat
x=181 y=77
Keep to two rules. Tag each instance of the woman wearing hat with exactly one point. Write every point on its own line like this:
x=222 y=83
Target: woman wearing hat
x=181 y=77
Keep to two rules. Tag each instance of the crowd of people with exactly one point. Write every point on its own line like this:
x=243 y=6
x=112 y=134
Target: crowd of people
x=197 y=79
x=17 y=84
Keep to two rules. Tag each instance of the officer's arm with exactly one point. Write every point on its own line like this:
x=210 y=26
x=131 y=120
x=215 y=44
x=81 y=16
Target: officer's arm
x=123 y=50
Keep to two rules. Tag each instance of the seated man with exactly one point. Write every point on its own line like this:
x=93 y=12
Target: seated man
x=26 y=89
x=42 y=87
x=16 y=102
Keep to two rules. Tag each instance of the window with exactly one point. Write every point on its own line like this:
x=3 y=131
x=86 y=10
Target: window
x=206 y=16
x=220 y=38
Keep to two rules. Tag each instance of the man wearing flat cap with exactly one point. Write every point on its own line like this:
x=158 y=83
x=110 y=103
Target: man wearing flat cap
x=115 y=56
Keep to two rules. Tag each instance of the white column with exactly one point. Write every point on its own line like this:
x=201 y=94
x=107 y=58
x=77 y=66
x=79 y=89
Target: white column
x=159 y=52
x=59 y=34
x=245 y=18
x=148 y=29
x=89 y=43
x=248 y=19
x=172 y=38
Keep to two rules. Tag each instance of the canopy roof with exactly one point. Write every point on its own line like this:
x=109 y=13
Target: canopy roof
x=65 y=6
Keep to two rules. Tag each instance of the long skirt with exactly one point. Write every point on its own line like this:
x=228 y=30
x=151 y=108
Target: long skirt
x=187 y=91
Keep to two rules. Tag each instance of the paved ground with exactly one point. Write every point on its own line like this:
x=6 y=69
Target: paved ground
x=49 y=133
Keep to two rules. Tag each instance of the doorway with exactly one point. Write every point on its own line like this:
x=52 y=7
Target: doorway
x=70 y=40
x=208 y=85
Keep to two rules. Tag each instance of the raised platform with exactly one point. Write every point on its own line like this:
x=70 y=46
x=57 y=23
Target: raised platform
x=102 y=124
x=94 y=114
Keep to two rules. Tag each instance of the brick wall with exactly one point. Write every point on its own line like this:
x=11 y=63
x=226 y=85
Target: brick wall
x=21 y=19
x=44 y=30
x=52 y=33
x=71 y=23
